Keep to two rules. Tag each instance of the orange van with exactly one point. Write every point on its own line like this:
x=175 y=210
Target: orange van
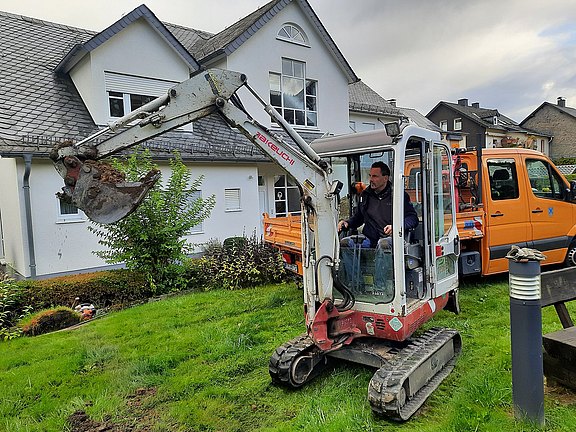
x=518 y=197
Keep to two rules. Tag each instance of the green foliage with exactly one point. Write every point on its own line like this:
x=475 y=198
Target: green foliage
x=151 y=239
x=102 y=289
x=49 y=320
x=237 y=263
x=565 y=161
x=12 y=307
x=200 y=363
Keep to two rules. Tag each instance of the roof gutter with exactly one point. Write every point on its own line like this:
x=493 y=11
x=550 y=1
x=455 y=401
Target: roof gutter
x=28 y=210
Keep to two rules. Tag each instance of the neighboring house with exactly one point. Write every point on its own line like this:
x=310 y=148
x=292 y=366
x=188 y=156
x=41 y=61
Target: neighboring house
x=485 y=126
x=63 y=83
x=558 y=121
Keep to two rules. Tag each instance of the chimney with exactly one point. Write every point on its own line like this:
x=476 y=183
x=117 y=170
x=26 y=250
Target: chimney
x=476 y=105
x=561 y=102
x=463 y=102
x=392 y=102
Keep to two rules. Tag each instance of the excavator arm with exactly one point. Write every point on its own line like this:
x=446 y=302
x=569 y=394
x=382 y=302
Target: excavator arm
x=105 y=197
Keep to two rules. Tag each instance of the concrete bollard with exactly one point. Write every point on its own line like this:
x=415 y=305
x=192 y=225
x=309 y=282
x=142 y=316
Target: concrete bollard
x=526 y=341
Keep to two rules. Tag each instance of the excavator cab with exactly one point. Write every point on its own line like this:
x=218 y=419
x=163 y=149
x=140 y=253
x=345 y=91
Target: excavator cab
x=398 y=270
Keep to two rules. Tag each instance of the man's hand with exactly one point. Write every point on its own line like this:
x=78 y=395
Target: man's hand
x=342 y=224
x=388 y=230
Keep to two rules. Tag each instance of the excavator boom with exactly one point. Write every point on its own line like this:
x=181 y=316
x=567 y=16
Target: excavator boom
x=96 y=187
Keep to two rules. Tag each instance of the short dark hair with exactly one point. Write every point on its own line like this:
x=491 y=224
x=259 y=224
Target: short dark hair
x=384 y=169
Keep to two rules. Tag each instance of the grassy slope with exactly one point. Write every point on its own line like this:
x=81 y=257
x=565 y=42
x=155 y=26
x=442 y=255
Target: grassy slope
x=206 y=356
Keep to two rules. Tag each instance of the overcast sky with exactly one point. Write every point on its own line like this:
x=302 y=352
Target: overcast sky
x=511 y=55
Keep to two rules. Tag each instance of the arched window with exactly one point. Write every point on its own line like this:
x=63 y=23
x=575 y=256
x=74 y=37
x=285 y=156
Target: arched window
x=293 y=33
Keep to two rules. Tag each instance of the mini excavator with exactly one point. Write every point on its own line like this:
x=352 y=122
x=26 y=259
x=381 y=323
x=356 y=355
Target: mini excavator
x=369 y=311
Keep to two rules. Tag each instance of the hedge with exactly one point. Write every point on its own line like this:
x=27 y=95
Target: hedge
x=102 y=289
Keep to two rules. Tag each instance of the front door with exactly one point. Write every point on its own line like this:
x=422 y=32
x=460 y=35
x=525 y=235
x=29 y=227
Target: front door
x=262 y=200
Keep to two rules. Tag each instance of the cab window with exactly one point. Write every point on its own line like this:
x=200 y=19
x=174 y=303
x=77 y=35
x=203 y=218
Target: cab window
x=503 y=179
x=544 y=181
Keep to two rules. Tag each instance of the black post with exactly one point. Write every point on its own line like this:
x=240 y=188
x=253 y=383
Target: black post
x=526 y=341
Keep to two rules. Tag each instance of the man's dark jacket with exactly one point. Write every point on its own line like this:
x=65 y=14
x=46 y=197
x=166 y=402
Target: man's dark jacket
x=375 y=212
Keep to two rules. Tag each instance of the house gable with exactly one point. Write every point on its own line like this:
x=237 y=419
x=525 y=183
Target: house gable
x=557 y=121
x=137 y=55
x=223 y=44
x=141 y=12
x=261 y=58
x=485 y=126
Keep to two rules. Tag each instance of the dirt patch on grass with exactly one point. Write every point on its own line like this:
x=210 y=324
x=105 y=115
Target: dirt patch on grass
x=139 y=417
x=559 y=393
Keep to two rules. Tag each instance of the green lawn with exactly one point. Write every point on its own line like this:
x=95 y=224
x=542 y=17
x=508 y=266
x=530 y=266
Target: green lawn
x=200 y=363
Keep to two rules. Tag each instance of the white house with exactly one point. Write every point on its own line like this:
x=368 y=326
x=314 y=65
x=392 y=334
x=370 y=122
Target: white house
x=63 y=83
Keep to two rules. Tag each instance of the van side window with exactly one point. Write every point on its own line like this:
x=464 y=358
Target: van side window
x=503 y=179
x=544 y=181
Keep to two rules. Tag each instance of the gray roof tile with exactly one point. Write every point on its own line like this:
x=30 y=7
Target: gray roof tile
x=39 y=107
x=365 y=100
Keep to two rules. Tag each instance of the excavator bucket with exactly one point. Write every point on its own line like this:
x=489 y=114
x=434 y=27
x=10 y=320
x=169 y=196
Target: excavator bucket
x=101 y=191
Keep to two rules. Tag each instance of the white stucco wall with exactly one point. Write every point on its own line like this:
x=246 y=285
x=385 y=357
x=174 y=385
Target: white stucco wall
x=263 y=53
x=12 y=209
x=66 y=247
x=366 y=122
x=59 y=246
x=217 y=178
x=136 y=50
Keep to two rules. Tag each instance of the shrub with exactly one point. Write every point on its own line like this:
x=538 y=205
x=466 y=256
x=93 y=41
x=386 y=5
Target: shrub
x=49 y=320
x=151 y=239
x=239 y=262
x=12 y=307
x=102 y=289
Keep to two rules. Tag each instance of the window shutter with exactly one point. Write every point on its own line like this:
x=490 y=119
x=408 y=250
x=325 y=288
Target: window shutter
x=137 y=85
x=232 y=199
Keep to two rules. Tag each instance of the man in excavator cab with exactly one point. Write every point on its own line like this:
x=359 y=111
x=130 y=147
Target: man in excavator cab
x=374 y=213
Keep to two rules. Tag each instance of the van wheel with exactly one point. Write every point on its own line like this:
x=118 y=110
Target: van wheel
x=571 y=255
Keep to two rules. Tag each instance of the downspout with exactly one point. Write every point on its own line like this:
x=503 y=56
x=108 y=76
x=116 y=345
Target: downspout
x=28 y=210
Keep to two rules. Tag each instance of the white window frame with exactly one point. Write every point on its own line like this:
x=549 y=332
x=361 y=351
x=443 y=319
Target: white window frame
x=443 y=125
x=63 y=217
x=294 y=71
x=232 y=200
x=136 y=85
x=281 y=194
x=199 y=228
x=457 y=124
x=290 y=32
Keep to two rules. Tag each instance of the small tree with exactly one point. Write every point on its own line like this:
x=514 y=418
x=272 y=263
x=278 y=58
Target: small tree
x=151 y=239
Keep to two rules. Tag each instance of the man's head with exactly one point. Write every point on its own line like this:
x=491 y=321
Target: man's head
x=379 y=175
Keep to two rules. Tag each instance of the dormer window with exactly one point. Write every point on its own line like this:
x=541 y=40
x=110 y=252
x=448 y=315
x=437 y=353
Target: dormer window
x=293 y=33
x=123 y=103
x=128 y=92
